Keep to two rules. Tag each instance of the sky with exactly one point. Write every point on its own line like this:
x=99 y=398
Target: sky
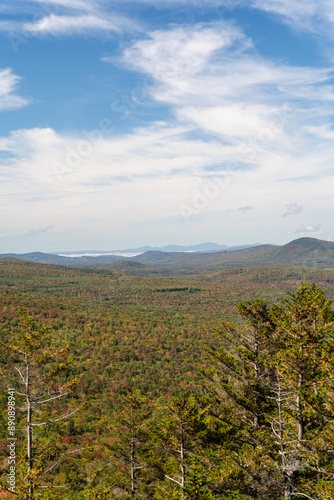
x=151 y=122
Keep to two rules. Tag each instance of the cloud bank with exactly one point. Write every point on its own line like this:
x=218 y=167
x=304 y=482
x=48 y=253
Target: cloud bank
x=265 y=125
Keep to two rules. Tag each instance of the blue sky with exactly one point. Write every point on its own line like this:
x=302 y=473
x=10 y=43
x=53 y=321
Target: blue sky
x=147 y=122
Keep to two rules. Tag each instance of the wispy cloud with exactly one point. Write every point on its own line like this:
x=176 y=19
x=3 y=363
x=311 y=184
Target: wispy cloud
x=316 y=16
x=213 y=81
x=73 y=25
x=310 y=229
x=64 y=17
x=162 y=161
x=293 y=209
x=244 y=209
x=70 y=4
x=228 y=109
x=191 y=3
x=214 y=62
x=178 y=59
x=8 y=85
x=266 y=115
x=38 y=231
x=50 y=6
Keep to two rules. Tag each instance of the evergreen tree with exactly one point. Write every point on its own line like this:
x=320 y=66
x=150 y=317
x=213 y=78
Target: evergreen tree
x=304 y=362
x=178 y=435
x=130 y=473
x=271 y=389
x=239 y=382
x=34 y=369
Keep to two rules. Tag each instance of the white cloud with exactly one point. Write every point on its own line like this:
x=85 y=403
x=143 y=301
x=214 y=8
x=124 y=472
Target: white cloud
x=270 y=121
x=293 y=209
x=322 y=132
x=70 y=4
x=311 y=15
x=213 y=82
x=63 y=25
x=191 y=3
x=49 y=6
x=120 y=182
x=212 y=62
x=32 y=232
x=105 y=185
x=8 y=84
x=315 y=16
x=242 y=121
x=310 y=229
x=64 y=17
x=178 y=59
x=156 y=3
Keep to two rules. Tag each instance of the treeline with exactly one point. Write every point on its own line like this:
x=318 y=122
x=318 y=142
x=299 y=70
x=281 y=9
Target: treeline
x=260 y=426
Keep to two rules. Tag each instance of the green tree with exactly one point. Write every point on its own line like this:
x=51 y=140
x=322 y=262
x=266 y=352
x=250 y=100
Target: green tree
x=35 y=366
x=126 y=443
x=304 y=363
x=178 y=436
x=239 y=383
x=271 y=387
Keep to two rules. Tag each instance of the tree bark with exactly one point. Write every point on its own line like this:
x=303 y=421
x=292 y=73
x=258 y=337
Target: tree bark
x=286 y=476
x=182 y=466
x=29 y=433
x=299 y=409
x=132 y=457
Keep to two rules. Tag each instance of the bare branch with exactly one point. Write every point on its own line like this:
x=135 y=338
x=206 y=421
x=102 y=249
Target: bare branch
x=57 y=419
x=303 y=494
x=22 y=378
x=174 y=480
x=61 y=486
x=51 y=399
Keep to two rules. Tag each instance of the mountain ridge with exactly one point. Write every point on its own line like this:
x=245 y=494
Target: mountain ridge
x=200 y=247
x=302 y=252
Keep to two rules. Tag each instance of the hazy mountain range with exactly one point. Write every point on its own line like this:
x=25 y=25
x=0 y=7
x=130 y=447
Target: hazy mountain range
x=201 y=247
x=305 y=252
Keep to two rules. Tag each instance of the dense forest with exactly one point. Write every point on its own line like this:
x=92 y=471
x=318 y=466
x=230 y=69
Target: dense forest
x=210 y=386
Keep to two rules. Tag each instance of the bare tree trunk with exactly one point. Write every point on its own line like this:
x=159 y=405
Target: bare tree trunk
x=286 y=476
x=299 y=409
x=29 y=434
x=257 y=371
x=132 y=459
x=182 y=466
x=132 y=468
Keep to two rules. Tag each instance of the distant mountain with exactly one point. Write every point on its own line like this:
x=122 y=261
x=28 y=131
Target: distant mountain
x=303 y=252
x=202 y=247
x=193 y=263
x=46 y=258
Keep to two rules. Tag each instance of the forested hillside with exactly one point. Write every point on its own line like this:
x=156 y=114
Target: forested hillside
x=133 y=343
x=303 y=252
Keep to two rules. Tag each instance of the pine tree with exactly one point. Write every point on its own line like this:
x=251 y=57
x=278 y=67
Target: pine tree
x=130 y=474
x=271 y=390
x=181 y=460
x=304 y=362
x=34 y=369
x=239 y=385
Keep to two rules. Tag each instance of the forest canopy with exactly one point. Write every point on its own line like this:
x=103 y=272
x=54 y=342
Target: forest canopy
x=257 y=423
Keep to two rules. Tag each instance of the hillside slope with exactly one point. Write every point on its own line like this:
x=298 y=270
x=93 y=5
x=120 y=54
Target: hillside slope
x=303 y=252
x=149 y=329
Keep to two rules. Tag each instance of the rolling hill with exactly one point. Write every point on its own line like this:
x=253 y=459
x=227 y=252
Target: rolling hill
x=303 y=252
